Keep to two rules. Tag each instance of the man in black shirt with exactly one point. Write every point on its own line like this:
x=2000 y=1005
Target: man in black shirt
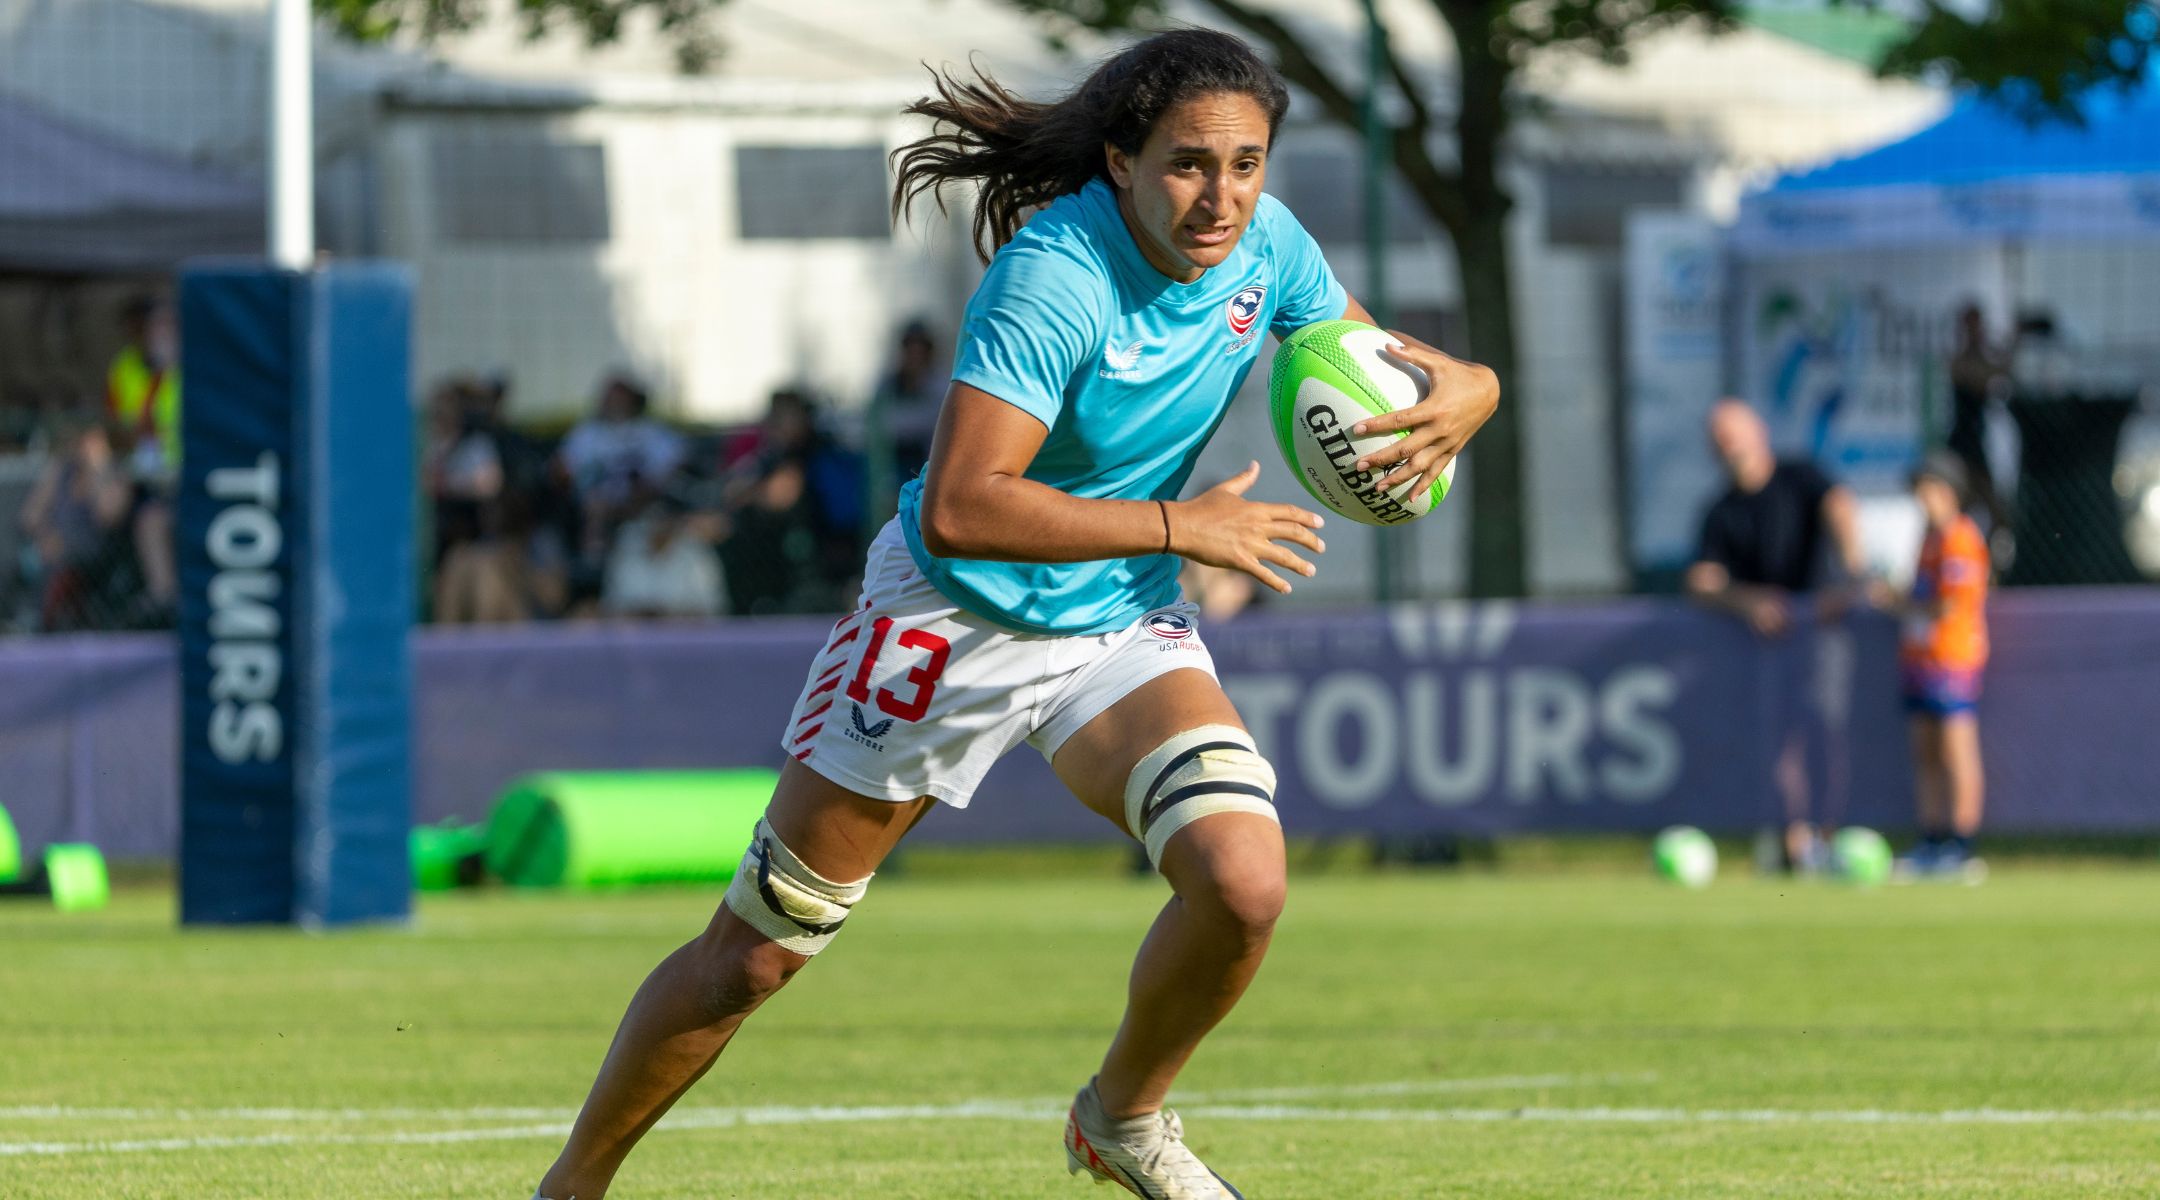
x=1784 y=531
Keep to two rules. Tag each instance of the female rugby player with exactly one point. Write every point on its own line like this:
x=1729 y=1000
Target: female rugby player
x=1027 y=590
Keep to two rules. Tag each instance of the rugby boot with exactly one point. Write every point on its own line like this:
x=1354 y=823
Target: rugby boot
x=1145 y=1155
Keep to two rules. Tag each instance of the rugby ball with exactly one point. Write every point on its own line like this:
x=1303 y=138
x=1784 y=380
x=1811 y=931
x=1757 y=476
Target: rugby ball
x=1684 y=855
x=1859 y=856
x=1327 y=377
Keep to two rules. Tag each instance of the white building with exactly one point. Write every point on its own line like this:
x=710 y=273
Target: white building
x=572 y=210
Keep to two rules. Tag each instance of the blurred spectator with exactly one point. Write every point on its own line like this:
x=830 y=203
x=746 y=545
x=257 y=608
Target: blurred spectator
x=459 y=473
x=518 y=571
x=794 y=501
x=25 y=418
x=1782 y=531
x=1978 y=370
x=662 y=563
x=1943 y=649
x=1220 y=592
x=905 y=406
x=615 y=462
x=524 y=466
x=142 y=386
x=142 y=397
x=474 y=463
x=74 y=521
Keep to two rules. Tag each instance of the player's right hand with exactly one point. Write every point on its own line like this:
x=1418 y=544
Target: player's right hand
x=1221 y=528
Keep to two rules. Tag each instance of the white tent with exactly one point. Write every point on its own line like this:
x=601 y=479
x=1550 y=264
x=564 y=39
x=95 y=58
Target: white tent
x=79 y=200
x=146 y=119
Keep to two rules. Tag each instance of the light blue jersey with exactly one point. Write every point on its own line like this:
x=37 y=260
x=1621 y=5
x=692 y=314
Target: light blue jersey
x=1130 y=372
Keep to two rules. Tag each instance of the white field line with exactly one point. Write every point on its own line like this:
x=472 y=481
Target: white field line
x=1411 y=1087
x=1688 y=1116
x=1048 y=1111
x=57 y=1112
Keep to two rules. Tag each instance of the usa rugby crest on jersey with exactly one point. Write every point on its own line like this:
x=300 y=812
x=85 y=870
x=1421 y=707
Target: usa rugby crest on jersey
x=1243 y=312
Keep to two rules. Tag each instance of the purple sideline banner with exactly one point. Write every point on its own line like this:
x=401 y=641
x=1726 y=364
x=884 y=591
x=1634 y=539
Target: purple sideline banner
x=1474 y=718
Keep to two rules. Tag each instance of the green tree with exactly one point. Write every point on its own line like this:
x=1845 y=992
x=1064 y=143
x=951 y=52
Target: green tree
x=697 y=46
x=2036 y=57
x=2039 y=57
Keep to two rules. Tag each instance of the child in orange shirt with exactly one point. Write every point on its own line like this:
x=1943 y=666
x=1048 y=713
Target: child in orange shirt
x=1943 y=648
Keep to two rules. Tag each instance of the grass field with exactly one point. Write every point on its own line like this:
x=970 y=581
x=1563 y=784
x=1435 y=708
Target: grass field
x=1494 y=1035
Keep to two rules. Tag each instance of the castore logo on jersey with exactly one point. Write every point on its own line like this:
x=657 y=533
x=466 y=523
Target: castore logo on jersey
x=1122 y=362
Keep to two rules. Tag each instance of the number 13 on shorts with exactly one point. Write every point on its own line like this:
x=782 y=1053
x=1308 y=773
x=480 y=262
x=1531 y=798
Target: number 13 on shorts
x=876 y=678
x=912 y=696
x=922 y=679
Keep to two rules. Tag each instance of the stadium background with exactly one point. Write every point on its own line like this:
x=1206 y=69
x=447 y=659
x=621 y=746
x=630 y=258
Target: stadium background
x=577 y=217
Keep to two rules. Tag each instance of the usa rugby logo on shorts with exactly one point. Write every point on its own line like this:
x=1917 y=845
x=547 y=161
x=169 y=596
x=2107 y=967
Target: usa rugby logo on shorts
x=1170 y=626
x=1244 y=309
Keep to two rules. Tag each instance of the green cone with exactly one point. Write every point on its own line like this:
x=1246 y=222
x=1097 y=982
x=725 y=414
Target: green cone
x=76 y=872
x=10 y=850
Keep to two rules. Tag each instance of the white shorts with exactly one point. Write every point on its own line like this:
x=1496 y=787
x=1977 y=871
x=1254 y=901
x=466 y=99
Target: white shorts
x=912 y=696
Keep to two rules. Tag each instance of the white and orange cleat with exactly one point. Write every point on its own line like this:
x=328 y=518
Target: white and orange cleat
x=1145 y=1155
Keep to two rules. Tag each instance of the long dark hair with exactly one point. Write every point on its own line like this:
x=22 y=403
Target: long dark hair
x=1022 y=152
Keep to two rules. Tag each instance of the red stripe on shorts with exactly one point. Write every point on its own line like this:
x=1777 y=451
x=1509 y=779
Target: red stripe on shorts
x=809 y=733
x=823 y=688
x=815 y=711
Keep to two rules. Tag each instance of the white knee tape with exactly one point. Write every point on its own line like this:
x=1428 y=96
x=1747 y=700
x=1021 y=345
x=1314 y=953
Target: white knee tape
x=787 y=901
x=1197 y=773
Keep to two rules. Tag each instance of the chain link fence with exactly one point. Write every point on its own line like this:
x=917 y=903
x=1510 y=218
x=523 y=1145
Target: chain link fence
x=2064 y=459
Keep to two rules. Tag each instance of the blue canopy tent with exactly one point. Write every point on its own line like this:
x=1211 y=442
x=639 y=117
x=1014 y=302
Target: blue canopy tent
x=1851 y=277
x=1979 y=174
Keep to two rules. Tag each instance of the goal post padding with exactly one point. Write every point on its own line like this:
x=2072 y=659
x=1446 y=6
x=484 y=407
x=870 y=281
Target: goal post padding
x=294 y=527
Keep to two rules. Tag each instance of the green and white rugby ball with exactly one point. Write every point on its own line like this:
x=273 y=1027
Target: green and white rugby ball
x=1327 y=377
x=1685 y=855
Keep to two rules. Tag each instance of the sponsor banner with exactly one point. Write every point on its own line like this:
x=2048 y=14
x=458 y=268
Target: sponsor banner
x=1619 y=715
x=1493 y=718
x=1457 y=718
x=1846 y=355
x=1675 y=280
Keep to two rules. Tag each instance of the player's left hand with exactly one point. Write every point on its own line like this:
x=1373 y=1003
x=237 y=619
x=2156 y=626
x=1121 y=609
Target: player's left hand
x=1460 y=398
